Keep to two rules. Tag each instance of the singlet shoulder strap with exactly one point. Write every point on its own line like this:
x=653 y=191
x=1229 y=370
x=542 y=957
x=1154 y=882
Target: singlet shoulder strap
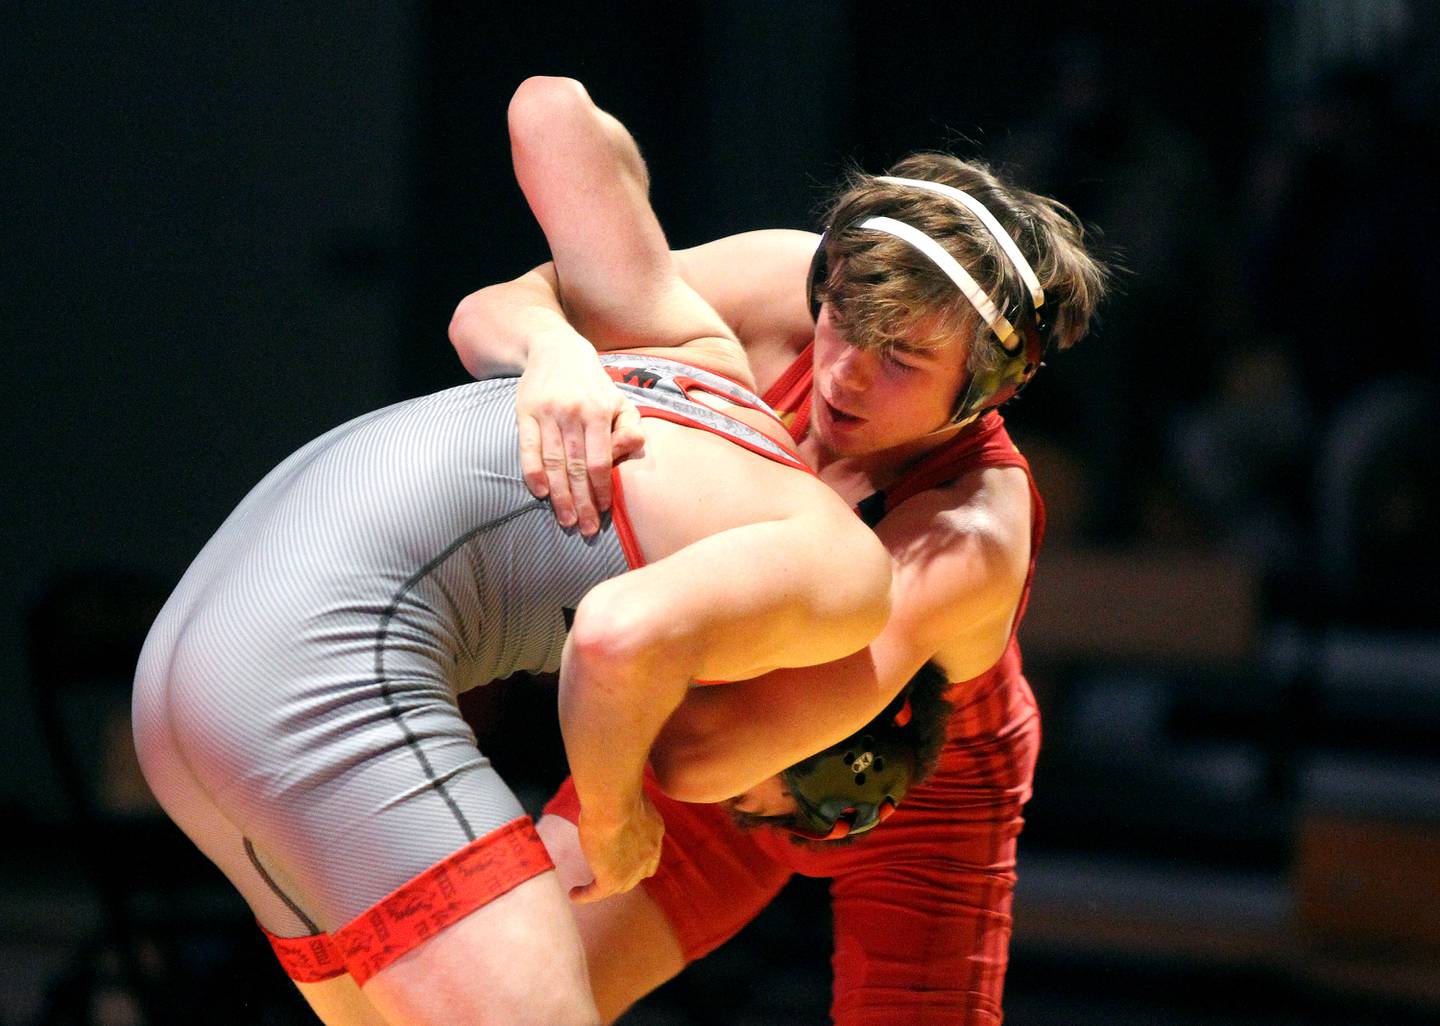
x=790 y=395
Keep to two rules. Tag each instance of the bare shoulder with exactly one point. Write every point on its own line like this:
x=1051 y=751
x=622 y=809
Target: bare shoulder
x=756 y=281
x=990 y=503
x=961 y=553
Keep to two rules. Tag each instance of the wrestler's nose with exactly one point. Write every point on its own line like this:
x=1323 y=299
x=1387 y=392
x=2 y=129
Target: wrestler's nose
x=853 y=369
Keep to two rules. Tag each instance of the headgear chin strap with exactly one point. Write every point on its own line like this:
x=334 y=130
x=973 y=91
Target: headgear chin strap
x=854 y=786
x=1022 y=345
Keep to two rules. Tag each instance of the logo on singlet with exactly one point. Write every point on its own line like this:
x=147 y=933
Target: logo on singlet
x=639 y=377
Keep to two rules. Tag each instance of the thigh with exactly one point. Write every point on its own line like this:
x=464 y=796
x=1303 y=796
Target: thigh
x=630 y=947
x=518 y=960
x=921 y=941
x=339 y=1002
x=712 y=880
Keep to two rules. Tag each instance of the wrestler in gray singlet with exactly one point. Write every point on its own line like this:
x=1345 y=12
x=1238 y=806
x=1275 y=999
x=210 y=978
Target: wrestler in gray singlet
x=295 y=705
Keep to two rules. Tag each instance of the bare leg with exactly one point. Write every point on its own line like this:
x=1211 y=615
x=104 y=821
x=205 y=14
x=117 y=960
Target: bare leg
x=339 y=1002
x=517 y=961
x=629 y=944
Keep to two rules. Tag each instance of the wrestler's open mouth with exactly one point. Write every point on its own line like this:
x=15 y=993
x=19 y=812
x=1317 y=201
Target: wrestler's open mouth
x=839 y=415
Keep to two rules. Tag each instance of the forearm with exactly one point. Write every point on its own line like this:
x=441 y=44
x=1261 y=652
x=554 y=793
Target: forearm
x=724 y=739
x=619 y=681
x=496 y=330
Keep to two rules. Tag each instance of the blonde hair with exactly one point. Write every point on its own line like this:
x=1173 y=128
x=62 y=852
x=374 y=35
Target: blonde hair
x=885 y=292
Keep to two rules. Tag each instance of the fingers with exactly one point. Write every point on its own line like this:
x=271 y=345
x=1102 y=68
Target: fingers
x=578 y=477
x=603 y=887
x=568 y=460
x=557 y=480
x=573 y=424
x=572 y=461
x=626 y=439
x=597 y=469
x=532 y=465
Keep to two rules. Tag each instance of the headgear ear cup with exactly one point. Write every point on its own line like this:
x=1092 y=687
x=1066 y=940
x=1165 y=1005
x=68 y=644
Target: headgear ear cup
x=853 y=786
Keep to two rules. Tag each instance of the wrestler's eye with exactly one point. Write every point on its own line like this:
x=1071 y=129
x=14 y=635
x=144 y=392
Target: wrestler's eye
x=896 y=359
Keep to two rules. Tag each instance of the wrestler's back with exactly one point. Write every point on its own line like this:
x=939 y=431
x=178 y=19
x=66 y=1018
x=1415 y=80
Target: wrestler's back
x=406 y=538
x=404 y=534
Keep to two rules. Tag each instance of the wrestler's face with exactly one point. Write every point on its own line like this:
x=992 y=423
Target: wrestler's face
x=767 y=800
x=872 y=400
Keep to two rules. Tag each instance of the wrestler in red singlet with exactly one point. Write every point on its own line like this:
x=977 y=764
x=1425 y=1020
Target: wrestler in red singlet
x=948 y=853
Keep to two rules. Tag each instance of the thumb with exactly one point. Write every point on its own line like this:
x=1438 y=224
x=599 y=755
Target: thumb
x=626 y=438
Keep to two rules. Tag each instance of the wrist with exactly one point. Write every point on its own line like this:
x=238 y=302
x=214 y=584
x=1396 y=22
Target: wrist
x=558 y=340
x=613 y=813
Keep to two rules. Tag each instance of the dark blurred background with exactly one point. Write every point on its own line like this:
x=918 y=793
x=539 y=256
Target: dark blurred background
x=228 y=228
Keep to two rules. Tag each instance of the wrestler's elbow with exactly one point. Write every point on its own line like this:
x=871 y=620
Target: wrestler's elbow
x=540 y=102
x=466 y=328
x=623 y=633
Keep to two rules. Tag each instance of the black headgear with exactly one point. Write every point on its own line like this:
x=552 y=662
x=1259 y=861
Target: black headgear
x=1022 y=345
x=853 y=786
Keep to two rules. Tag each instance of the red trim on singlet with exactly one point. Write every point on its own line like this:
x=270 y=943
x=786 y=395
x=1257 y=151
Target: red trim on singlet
x=312 y=959
x=620 y=517
x=790 y=394
x=786 y=457
x=791 y=456
x=686 y=384
x=445 y=893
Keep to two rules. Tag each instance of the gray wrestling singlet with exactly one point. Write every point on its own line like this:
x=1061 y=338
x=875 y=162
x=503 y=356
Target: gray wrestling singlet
x=294 y=704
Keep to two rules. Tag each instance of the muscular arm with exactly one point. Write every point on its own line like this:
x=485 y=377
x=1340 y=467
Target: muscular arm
x=728 y=606
x=612 y=281
x=960 y=556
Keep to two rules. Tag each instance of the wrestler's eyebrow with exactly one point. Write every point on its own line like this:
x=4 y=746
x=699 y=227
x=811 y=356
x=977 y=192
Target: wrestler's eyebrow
x=919 y=352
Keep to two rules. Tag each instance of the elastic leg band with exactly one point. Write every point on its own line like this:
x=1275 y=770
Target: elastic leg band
x=445 y=893
x=311 y=959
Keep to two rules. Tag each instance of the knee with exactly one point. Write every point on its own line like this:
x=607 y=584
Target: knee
x=541 y=99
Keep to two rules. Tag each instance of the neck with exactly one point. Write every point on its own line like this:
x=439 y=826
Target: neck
x=878 y=469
